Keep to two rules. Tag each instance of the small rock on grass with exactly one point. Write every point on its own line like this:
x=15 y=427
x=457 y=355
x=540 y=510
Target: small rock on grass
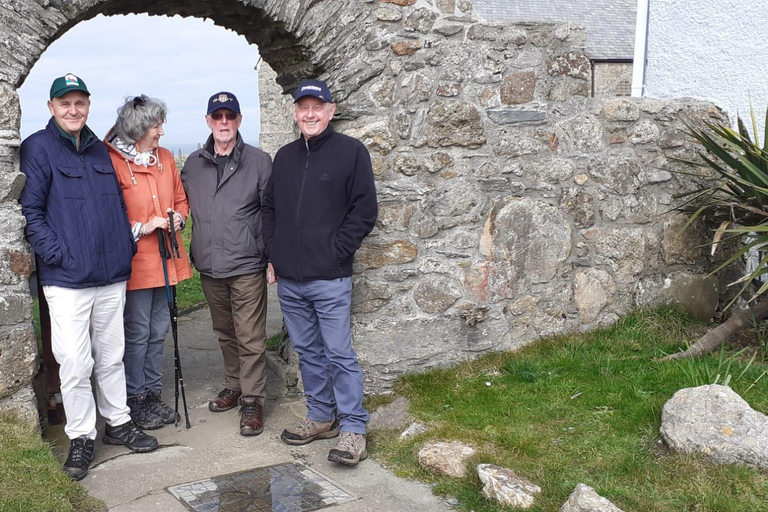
x=446 y=458
x=504 y=486
x=585 y=499
x=413 y=430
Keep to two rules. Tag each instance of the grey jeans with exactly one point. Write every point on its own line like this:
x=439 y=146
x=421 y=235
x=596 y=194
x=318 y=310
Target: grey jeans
x=147 y=320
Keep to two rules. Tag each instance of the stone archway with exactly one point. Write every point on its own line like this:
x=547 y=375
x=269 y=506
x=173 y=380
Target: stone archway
x=512 y=204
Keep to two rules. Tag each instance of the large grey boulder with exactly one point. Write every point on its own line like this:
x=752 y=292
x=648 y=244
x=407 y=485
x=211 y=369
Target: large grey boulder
x=585 y=499
x=717 y=423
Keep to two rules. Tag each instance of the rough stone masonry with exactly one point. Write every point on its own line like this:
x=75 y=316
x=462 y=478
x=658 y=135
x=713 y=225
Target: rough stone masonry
x=512 y=205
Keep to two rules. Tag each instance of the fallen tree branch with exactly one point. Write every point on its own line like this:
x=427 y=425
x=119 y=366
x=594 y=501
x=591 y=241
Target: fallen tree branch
x=714 y=338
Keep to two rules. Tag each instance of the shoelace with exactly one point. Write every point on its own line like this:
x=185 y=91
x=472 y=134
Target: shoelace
x=248 y=411
x=77 y=452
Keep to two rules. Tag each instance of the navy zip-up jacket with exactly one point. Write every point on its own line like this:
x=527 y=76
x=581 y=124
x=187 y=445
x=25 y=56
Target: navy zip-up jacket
x=76 y=218
x=319 y=205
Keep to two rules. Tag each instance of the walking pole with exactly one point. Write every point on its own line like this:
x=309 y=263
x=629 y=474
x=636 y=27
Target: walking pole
x=171 y=296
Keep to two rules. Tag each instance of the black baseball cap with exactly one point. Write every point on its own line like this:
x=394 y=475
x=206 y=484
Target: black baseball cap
x=315 y=88
x=223 y=100
x=67 y=83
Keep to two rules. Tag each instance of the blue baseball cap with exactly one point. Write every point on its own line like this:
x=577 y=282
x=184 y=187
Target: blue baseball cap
x=315 y=88
x=223 y=100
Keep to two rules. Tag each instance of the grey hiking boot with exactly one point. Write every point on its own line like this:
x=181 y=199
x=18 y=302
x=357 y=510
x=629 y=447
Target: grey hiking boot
x=350 y=450
x=80 y=457
x=158 y=407
x=309 y=430
x=142 y=415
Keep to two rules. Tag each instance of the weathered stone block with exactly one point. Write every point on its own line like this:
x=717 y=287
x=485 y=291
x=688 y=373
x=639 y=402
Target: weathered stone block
x=644 y=132
x=584 y=134
x=593 y=289
x=671 y=139
x=401 y=48
x=518 y=88
x=386 y=253
x=395 y=216
x=621 y=109
x=435 y=294
x=533 y=237
x=448 y=29
x=376 y=136
x=508 y=116
x=483 y=32
x=682 y=246
x=571 y=64
x=388 y=14
x=368 y=295
x=455 y=123
x=10 y=108
x=401 y=3
x=580 y=205
x=18 y=357
x=15 y=309
x=421 y=20
x=448 y=90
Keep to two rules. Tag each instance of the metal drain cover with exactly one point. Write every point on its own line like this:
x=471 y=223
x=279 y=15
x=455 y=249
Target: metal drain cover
x=289 y=487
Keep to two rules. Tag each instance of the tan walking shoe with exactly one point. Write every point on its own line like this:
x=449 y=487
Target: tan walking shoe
x=350 y=450
x=309 y=430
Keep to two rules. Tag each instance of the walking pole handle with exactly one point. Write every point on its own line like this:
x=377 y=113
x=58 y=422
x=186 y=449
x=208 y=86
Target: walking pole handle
x=162 y=244
x=174 y=243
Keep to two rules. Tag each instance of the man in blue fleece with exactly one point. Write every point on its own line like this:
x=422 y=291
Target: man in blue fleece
x=319 y=205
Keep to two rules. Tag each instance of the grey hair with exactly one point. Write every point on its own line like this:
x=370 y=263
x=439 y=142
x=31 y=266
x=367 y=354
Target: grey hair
x=137 y=115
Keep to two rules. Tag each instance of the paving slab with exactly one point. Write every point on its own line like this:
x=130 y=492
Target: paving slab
x=213 y=452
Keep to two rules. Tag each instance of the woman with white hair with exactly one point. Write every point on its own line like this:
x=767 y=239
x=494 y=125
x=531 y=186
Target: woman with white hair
x=151 y=187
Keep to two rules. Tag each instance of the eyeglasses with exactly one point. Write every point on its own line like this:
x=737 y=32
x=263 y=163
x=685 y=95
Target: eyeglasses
x=231 y=116
x=139 y=101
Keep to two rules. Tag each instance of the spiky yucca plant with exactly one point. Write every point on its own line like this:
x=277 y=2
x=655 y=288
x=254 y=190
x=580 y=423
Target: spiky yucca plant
x=737 y=200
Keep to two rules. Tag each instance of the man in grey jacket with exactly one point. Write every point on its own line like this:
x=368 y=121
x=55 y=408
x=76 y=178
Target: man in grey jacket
x=225 y=183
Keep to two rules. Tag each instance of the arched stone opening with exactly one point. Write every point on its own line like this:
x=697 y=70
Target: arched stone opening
x=512 y=205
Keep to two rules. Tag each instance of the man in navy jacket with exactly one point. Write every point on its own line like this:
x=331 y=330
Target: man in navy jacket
x=319 y=205
x=78 y=228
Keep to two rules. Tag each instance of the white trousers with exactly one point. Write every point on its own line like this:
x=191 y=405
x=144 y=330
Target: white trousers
x=87 y=338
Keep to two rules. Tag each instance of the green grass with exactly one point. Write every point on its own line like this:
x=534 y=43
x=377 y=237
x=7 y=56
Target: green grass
x=189 y=293
x=32 y=479
x=583 y=408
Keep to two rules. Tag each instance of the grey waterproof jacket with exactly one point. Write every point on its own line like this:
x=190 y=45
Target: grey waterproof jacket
x=226 y=218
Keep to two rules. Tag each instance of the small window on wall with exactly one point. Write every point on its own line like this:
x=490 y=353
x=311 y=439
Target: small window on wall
x=612 y=78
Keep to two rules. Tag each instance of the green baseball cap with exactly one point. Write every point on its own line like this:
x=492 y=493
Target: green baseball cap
x=67 y=83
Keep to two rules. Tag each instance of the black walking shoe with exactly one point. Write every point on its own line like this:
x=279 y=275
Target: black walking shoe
x=142 y=415
x=129 y=436
x=158 y=407
x=80 y=457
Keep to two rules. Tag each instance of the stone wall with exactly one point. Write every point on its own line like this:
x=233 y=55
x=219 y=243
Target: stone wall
x=512 y=206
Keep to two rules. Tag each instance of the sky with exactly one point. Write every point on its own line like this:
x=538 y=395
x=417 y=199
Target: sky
x=182 y=61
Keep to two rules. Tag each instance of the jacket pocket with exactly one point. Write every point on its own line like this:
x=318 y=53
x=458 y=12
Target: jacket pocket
x=69 y=182
x=108 y=183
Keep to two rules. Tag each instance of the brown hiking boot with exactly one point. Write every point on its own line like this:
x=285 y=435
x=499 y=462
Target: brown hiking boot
x=350 y=450
x=250 y=416
x=309 y=430
x=226 y=400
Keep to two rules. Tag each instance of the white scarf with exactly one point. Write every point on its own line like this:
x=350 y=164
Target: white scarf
x=145 y=158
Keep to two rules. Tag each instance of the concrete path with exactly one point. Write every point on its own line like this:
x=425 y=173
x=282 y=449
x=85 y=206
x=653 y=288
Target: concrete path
x=130 y=482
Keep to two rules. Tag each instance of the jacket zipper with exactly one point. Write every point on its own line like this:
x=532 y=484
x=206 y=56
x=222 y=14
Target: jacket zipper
x=298 y=208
